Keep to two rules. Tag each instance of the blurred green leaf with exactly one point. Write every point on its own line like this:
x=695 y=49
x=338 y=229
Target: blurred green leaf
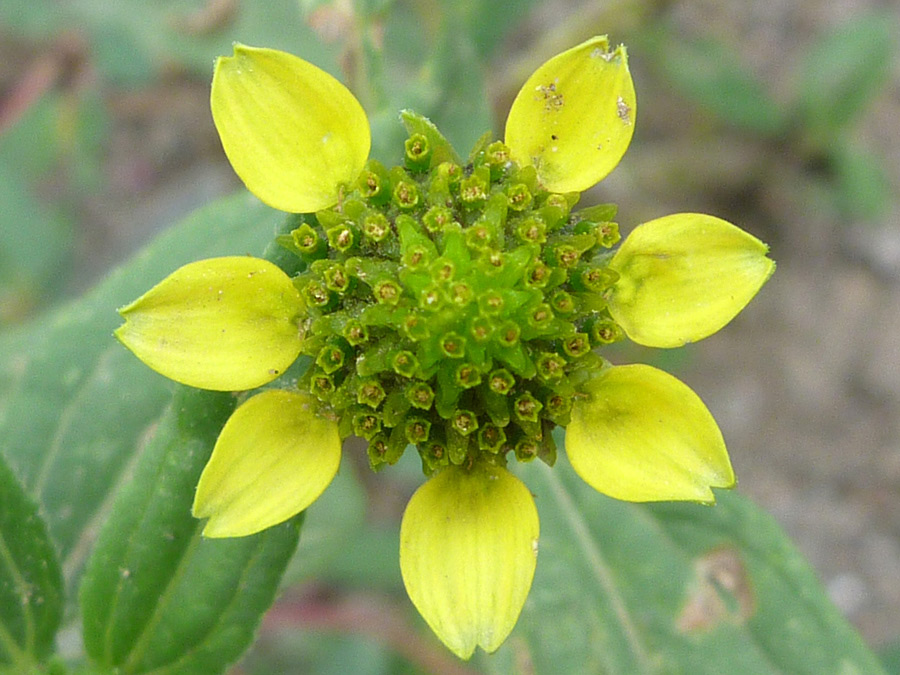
x=31 y=145
x=438 y=73
x=32 y=18
x=76 y=408
x=863 y=188
x=488 y=23
x=890 y=658
x=31 y=594
x=133 y=41
x=324 y=654
x=842 y=72
x=34 y=242
x=671 y=588
x=710 y=73
x=48 y=155
x=333 y=522
x=156 y=596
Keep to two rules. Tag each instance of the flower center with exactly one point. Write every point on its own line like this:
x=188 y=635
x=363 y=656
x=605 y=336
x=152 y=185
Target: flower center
x=453 y=308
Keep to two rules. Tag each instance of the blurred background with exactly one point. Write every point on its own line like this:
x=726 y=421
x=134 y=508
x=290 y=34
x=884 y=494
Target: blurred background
x=782 y=116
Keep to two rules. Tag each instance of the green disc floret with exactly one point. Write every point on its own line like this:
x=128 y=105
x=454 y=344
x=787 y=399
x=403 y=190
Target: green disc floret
x=453 y=306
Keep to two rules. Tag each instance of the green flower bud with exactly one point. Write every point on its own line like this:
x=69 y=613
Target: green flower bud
x=374 y=184
x=317 y=294
x=405 y=363
x=336 y=278
x=519 y=196
x=355 y=333
x=605 y=332
x=330 y=358
x=526 y=449
x=465 y=422
x=406 y=195
x=532 y=230
x=562 y=302
x=491 y=303
x=453 y=345
x=366 y=425
x=370 y=393
x=420 y=395
x=558 y=407
x=491 y=438
x=550 y=366
x=608 y=234
x=418 y=151
x=417 y=430
x=537 y=275
x=577 y=345
x=473 y=190
x=415 y=328
x=322 y=386
x=342 y=238
x=387 y=292
x=467 y=376
x=431 y=298
x=307 y=240
x=437 y=218
x=480 y=329
x=501 y=381
x=508 y=333
x=595 y=279
x=376 y=227
x=527 y=408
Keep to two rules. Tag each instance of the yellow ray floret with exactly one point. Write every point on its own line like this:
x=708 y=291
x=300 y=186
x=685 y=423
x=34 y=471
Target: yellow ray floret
x=574 y=117
x=292 y=132
x=642 y=435
x=685 y=276
x=468 y=550
x=225 y=324
x=274 y=458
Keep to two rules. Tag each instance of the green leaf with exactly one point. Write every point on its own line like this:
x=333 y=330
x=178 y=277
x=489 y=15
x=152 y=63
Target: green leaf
x=843 y=71
x=336 y=521
x=441 y=150
x=863 y=187
x=34 y=241
x=711 y=74
x=438 y=74
x=133 y=41
x=890 y=657
x=158 y=597
x=30 y=580
x=629 y=589
x=488 y=23
x=76 y=408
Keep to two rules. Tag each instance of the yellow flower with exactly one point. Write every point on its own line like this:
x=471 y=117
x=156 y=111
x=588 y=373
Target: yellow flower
x=455 y=309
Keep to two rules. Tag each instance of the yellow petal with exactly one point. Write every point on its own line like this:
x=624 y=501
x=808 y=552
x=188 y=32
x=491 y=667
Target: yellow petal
x=468 y=549
x=642 y=435
x=224 y=323
x=292 y=132
x=274 y=458
x=683 y=277
x=573 y=119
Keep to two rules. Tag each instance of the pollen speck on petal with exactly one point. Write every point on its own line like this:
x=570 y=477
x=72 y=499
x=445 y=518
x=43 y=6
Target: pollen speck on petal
x=574 y=117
